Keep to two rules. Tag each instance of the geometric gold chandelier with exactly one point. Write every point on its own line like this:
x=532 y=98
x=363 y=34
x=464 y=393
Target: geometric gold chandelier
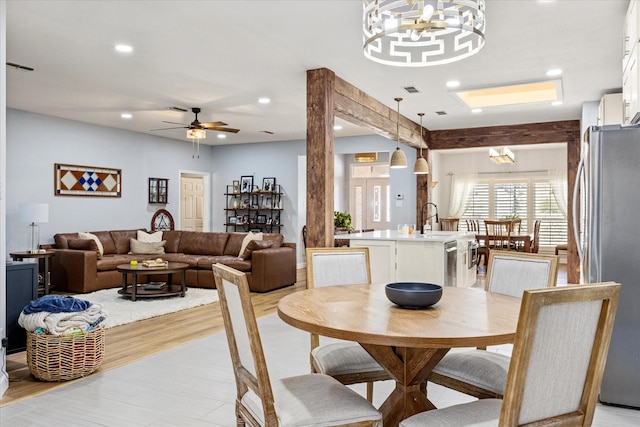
x=418 y=33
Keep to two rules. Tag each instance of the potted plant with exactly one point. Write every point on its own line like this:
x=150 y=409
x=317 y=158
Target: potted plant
x=342 y=221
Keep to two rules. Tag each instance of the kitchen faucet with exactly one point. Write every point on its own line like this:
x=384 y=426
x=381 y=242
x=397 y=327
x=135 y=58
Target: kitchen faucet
x=422 y=215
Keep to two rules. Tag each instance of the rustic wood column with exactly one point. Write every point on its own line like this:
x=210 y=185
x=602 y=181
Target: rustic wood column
x=573 y=158
x=320 y=154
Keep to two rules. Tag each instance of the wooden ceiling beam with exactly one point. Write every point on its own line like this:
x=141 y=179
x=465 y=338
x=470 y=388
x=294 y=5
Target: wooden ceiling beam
x=493 y=136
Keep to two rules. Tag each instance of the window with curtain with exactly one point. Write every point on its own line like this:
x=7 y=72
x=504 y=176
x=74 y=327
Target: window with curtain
x=530 y=198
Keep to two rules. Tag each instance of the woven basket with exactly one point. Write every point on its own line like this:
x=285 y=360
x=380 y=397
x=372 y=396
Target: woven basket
x=64 y=357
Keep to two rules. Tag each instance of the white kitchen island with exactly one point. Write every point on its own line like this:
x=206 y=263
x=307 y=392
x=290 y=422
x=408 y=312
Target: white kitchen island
x=418 y=257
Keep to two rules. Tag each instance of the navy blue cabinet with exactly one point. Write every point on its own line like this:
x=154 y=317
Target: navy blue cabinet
x=22 y=288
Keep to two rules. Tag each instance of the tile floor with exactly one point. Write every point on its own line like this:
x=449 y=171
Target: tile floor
x=193 y=385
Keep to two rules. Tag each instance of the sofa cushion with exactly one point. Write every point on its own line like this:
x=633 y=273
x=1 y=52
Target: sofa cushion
x=173 y=240
x=255 y=245
x=249 y=237
x=240 y=264
x=109 y=247
x=84 y=245
x=62 y=239
x=191 y=260
x=111 y=262
x=91 y=236
x=276 y=238
x=145 y=237
x=121 y=239
x=150 y=248
x=201 y=243
x=234 y=243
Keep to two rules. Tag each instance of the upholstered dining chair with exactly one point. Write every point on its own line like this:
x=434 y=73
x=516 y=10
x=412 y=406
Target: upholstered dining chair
x=482 y=373
x=311 y=399
x=449 y=224
x=559 y=354
x=346 y=361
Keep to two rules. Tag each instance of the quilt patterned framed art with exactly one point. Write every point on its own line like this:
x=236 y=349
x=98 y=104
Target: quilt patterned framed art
x=76 y=180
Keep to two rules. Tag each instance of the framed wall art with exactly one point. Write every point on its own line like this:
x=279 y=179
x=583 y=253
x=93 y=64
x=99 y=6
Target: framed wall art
x=76 y=180
x=246 y=184
x=268 y=184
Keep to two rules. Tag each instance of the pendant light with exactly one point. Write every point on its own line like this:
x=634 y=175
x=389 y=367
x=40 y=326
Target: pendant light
x=398 y=158
x=421 y=167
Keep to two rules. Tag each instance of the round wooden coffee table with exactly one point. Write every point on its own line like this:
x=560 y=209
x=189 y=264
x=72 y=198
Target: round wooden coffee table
x=150 y=290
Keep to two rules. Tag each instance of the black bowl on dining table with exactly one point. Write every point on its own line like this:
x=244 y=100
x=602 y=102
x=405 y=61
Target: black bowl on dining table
x=413 y=295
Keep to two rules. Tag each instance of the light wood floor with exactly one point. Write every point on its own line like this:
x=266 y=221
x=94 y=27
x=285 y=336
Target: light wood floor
x=128 y=343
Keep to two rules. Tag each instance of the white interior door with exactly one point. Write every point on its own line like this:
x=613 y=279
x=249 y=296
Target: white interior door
x=191 y=203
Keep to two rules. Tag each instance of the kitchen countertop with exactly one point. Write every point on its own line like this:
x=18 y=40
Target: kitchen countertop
x=394 y=235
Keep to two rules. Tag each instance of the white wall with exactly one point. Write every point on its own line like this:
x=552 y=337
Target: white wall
x=454 y=161
x=35 y=142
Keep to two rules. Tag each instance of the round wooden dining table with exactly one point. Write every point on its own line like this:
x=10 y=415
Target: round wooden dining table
x=408 y=343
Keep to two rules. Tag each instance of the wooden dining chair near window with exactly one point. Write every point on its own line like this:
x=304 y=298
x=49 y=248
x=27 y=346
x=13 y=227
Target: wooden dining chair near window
x=312 y=399
x=535 y=243
x=482 y=373
x=346 y=361
x=449 y=224
x=497 y=235
x=556 y=370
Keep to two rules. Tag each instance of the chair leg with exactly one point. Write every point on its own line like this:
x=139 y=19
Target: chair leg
x=370 y=391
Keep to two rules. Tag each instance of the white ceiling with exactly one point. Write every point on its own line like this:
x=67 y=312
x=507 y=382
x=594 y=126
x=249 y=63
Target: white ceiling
x=222 y=56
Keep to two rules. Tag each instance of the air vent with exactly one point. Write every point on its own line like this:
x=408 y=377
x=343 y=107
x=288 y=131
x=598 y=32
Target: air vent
x=181 y=110
x=441 y=113
x=267 y=132
x=411 y=89
x=19 y=67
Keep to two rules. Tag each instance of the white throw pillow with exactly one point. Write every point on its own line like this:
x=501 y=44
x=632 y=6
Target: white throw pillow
x=86 y=236
x=145 y=237
x=249 y=237
x=148 y=248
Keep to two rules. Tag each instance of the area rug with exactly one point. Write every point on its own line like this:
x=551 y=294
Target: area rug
x=121 y=310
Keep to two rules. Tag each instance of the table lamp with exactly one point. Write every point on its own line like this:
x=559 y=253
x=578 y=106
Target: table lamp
x=33 y=213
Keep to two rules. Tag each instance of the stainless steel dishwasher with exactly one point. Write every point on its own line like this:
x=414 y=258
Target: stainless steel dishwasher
x=450 y=263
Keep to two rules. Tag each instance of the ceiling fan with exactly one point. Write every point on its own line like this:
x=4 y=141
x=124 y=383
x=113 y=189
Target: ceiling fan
x=197 y=125
x=197 y=130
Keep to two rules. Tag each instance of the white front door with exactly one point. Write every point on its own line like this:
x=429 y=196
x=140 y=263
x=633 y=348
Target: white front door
x=369 y=197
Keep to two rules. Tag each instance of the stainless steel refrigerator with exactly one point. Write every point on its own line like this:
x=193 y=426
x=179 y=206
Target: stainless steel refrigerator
x=609 y=246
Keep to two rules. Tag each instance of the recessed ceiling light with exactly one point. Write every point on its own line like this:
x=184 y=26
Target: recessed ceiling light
x=523 y=93
x=221 y=136
x=124 y=48
x=126 y=115
x=555 y=103
x=476 y=110
x=554 y=72
x=453 y=83
x=337 y=127
x=264 y=100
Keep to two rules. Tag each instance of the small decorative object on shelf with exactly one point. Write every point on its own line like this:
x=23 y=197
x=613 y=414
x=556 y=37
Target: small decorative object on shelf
x=158 y=190
x=250 y=207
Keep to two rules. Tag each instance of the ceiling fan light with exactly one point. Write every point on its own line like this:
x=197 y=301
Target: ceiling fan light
x=421 y=166
x=196 y=134
x=398 y=159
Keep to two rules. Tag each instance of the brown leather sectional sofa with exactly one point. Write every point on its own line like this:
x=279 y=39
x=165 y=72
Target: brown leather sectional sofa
x=83 y=271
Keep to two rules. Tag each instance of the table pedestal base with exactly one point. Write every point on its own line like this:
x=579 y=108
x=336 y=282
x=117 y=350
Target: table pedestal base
x=410 y=368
